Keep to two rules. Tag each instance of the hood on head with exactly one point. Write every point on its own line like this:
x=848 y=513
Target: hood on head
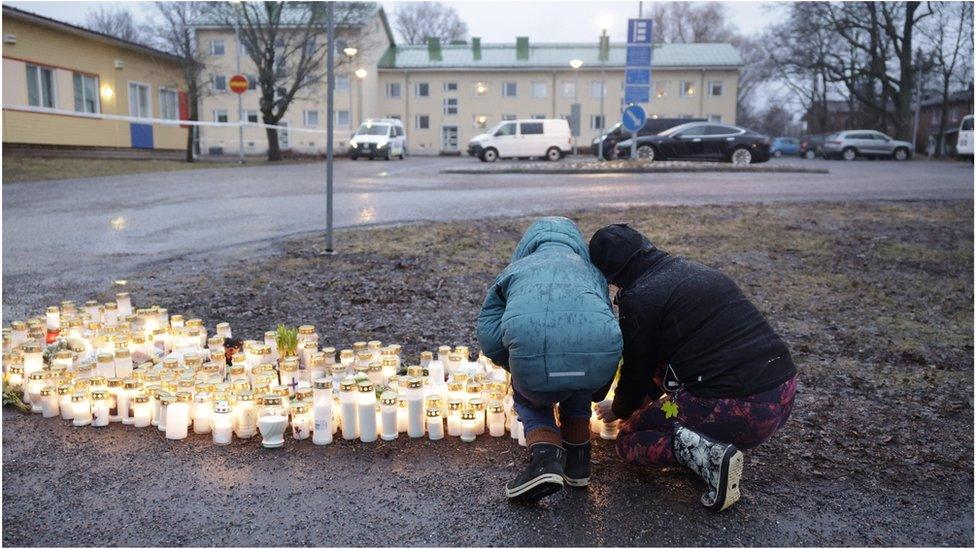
x=612 y=249
x=551 y=229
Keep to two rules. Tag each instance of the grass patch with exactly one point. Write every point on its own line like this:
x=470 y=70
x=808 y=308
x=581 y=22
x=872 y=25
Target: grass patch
x=20 y=169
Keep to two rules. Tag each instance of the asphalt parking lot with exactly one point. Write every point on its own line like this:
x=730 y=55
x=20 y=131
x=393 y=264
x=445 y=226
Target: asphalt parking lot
x=68 y=238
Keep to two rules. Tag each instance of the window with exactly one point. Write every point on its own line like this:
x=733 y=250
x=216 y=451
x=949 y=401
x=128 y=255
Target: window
x=531 y=128
x=342 y=119
x=716 y=88
x=220 y=115
x=393 y=90
x=422 y=89
x=169 y=104
x=715 y=118
x=568 y=89
x=935 y=117
x=252 y=82
x=219 y=83
x=597 y=122
x=139 y=105
x=40 y=86
x=310 y=47
x=421 y=122
x=481 y=121
x=509 y=89
x=86 y=92
x=506 y=129
x=598 y=89
x=450 y=86
x=397 y=116
x=216 y=47
x=342 y=83
x=687 y=89
x=538 y=116
x=450 y=105
x=727 y=130
x=480 y=89
x=685 y=116
x=540 y=90
x=310 y=119
x=509 y=117
x=251 y=117
x=661 y=88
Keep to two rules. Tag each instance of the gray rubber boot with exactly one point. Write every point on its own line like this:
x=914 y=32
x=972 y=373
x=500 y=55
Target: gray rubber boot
x=719 y=464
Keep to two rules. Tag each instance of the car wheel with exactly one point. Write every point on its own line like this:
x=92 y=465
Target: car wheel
x=849 y=154
x=353 y=157
x=809 y=155
x=741 y=157
x=901 y=154
x=489 y=155
x=646 y=152
x=553 y=154
x=777 y=154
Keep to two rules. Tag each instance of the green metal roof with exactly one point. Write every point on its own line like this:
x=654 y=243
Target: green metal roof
x=548 y=56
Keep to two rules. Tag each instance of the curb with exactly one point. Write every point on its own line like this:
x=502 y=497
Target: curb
x=716 y=168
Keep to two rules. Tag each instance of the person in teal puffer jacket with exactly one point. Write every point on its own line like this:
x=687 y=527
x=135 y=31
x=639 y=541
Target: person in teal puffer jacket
x=548 y=320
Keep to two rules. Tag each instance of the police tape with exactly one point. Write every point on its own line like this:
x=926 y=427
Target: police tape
x=160 y=121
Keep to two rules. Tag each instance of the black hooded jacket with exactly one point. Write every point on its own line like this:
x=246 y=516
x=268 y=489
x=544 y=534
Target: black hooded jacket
x=686 y=321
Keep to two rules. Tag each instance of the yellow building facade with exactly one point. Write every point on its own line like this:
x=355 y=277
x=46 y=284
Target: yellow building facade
x=59 y=80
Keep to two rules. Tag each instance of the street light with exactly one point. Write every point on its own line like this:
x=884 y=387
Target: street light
x=360 y=74
x=350 y=53
x=576 y=64
x=603 y=22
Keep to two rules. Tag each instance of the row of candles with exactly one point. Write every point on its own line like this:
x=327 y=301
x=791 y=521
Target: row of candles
x=111 y=363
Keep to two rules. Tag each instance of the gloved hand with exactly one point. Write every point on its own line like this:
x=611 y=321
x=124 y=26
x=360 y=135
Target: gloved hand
x=604 y=410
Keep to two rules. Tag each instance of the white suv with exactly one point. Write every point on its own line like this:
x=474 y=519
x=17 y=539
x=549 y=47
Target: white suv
x=546 y=138
x=379 y=138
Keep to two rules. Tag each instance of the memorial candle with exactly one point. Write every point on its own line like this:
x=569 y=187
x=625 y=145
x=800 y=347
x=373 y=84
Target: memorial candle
x=246 y=415
x=178 y=416
x=272 y=422
x=33 y=358
x=322 y=411
x=415 y=407
x=18 y=333
x=348 y=413
x=110 y=314
x=435 y=370
x=375 y=374
x=81 y=412
x=375 y=349
x=468 y=432
x=223 y=330
x=388 y=412
x=402 y=409
x=478 y=406
x=141 y=410
x=203 y=406
x=366 y=404
x=223 y=423
x=454 y=362
x=100 y=406
x=115 y=388
x=289 y=373
x=52 y=319
x=105 y=367
x=35 y=382
x=496 y=419
x=317 y=367
x=64 y=401
x=301 y=421
x=123 y=303
x=435 y=424
x=15 y=377
x=454 y=408
x=389 y=364
x=50 y=405
x=443 y=355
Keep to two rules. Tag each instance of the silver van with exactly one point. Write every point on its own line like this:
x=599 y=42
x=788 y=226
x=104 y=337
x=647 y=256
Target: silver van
x=851 y=144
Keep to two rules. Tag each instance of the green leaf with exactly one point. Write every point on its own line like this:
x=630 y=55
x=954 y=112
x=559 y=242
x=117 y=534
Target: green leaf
x=670 y=409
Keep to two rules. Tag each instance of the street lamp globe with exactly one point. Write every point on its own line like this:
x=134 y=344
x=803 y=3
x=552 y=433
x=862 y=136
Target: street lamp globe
x=350 y=51
x=576 y=63
x=361 y=73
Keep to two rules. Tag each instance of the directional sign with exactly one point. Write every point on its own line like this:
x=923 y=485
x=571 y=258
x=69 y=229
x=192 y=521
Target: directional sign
x=638 y=56
x=637 y=94
x=639 y=31
x=638 y=77
x=238 y=83
x=633 y=118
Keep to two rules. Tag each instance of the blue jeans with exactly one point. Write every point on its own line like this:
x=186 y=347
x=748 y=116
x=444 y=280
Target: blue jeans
x=535 y=409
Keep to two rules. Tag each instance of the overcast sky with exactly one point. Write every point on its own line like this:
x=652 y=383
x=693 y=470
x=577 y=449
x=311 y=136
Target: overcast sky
x=564 y=21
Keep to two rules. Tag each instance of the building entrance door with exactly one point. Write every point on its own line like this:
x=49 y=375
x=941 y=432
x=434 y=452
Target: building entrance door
x=449 y=138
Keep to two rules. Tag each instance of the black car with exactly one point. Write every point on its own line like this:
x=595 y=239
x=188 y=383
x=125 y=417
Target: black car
x=811 y=146
x=701 y=141
x=617 y=133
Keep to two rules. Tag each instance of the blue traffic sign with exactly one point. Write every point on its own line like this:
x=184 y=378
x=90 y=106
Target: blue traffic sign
x=633 y=118
x=638 y=56
x=639 y=77
x=639 y=31
x=637 y=94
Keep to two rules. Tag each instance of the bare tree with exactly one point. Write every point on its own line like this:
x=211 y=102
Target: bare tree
x=950 y=36
x=287 y=43
x=116 y=22
x=418 y=21
x=171 y=30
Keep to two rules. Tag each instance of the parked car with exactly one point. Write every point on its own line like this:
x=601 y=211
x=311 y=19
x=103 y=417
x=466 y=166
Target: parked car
x=379 y=138
x=964 y=142
x=811 y=146
x=617 y=133
x=784 y=145
x=851 y=144
x=547 y=138
x=701 y=141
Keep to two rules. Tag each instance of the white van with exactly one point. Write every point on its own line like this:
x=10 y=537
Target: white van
x=546 y=138
x=379 y=138
x=964 y=142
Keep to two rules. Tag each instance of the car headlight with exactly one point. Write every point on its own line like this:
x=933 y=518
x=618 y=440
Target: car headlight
x=353 y=144
x=382 y=143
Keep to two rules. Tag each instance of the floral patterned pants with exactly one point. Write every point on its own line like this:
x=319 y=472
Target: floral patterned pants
x=645 y=438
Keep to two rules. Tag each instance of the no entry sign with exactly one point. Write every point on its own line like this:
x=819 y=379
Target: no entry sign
x=238 y=83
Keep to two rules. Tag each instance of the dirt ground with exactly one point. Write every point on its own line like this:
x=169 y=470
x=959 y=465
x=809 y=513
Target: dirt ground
x=875 y=300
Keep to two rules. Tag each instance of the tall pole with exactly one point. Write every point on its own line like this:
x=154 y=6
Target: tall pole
x=240 y=96
x=330 y=119
x=603 y=91
x=576 y=100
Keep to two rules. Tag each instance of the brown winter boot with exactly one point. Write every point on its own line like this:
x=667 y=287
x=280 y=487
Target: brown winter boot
x=576 y=440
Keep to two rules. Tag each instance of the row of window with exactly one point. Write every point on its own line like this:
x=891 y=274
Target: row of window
x=42 y=88
x=540 y=90
x=218 y=82
x=310 y=118
x=597 y=121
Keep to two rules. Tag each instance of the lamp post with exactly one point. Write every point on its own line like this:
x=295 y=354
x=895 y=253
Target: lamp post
x=603 y=23
x=360 y=74
x=350 y=53
x=575 y=64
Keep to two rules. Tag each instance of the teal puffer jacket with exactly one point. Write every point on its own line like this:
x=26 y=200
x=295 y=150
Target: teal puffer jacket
x=547 y=318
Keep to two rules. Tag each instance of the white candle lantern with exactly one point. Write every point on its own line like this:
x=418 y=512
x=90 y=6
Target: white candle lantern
x=271 y=342
x=18 y=333
x=33 y=358
x=317 y=368
x=64 y=401
x=178 y=416
x=53 y=319
x=15 y=377
x=496 y=419
x=375 y=374
x=272 y=422
x=115 y=388
x=478 y=406
x=301 y=421
x=425 y=358
x=100 y=407
x=105 y=365
x=454 y=362
x=347 y=357
x=443 y=355
x=141 y=410
x=468 y=432
x=322 y=411
x=366 y=404
x=50 y=405
x=435 y=424
x=609 y=430
x=110 y=314
x=246 y=415
x=388 y=416
x=123 y=303
x=454 y=408
x=35 y=382
x=415 y=407
x=289 y=373
x=435 y=370
x=348 y=413
x=223 y=423
x=389 y=368
x=402 y=410
x=81 y=412
x=375 y=349
x=203 y=407
x=223 y=330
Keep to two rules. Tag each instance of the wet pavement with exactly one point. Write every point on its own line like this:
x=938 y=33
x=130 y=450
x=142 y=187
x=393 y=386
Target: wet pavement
x=72 y=237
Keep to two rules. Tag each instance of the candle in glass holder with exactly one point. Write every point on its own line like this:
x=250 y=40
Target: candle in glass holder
x=322 y=414
x=123 y=303
x=455 y=390
x=389 y=368
x=272 y=422
x=496 y=419
x=18 y=333
x=50 y=405
x=15 y=377
x=178 y=416
x=374 y=373
x=289 y=373
x=141 y=410
x=53 y=318
x=33 y=358
x=375 y=349
x=454 y=362
x=443 y=354
x=388 y=415
x=366 y=405
x=223 y=423
x=317 y=367
x=301 y=421
x=468 y=432
x=478 y=406
x=159 y=414
x=203 y=406
x=64 y=401
x=415 y=407
x=609 y=430
x=115 y=388
x=223 y=330
x=348 y=413
x=402 y=409
x=105 y=367
x=306 y=333
x=454 y=408
x=100 y=406
x=81 y=412
x=435 y=424
x=246 y=415
x=35 y=382
x=435 y=369
x=123 y=363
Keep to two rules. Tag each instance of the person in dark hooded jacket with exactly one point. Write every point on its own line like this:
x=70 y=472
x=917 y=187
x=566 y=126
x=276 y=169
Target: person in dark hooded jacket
x=703 y=375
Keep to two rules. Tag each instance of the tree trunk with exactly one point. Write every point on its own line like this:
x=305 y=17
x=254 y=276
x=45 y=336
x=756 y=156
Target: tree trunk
x=906 y=88
x=274 y=150
x=944 y=111
x=191 y=130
